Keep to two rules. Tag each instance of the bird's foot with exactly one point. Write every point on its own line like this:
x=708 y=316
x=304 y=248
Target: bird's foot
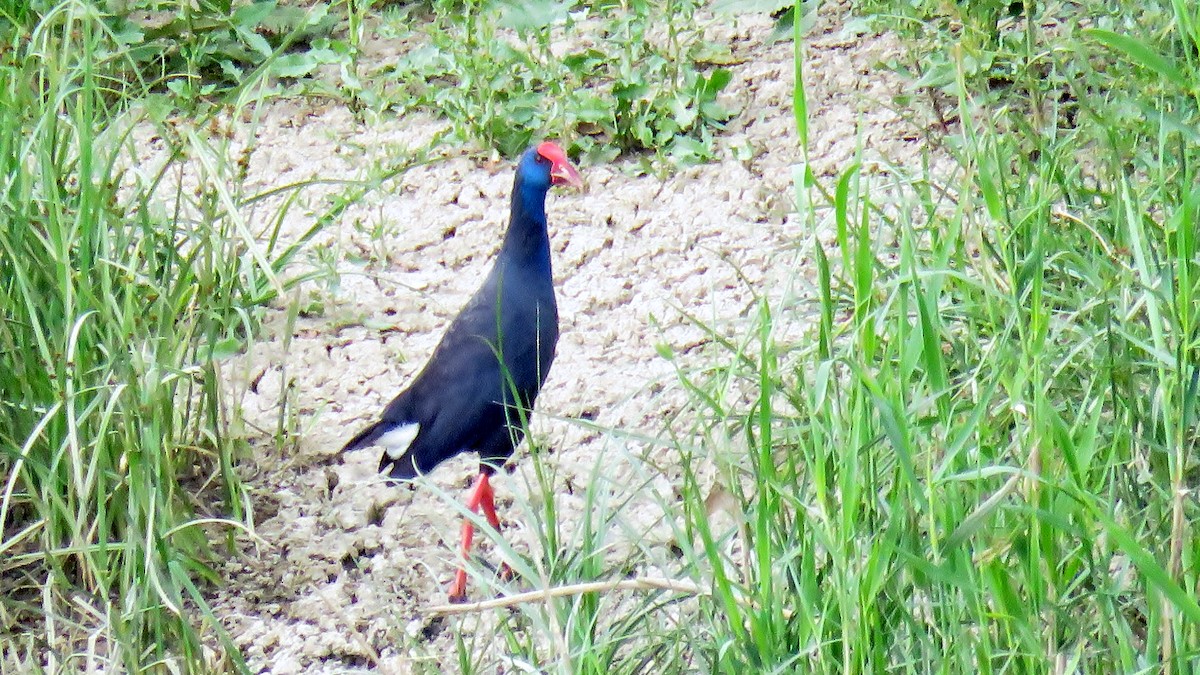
x=458 y=588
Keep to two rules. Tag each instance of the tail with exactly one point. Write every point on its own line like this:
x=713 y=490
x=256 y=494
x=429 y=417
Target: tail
x=400 y=469
x=366 y=437
x=399 y=464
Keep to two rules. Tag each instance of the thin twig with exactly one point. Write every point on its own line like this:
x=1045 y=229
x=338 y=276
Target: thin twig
x=643 y=584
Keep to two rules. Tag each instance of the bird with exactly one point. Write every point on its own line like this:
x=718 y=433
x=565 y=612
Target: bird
x=477 y=389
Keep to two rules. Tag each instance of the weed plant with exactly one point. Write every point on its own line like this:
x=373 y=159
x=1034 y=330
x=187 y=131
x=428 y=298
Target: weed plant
x=644 y=79
x=121 y=289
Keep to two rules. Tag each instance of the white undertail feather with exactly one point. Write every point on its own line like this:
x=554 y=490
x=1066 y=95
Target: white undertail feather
x=396 y=441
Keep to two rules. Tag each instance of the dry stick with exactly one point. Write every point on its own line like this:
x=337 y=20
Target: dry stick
x=643 y=584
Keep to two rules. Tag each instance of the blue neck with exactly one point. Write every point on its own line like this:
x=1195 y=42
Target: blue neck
x=526 y=241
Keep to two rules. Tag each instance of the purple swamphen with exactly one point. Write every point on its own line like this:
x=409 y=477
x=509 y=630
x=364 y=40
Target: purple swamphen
x=477 y=389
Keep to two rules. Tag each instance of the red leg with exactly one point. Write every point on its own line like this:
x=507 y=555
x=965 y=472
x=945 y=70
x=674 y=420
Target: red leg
x=481 y=497
x=487 y=501
x=488 y=505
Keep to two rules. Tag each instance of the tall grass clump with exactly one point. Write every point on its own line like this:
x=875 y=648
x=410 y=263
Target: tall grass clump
x=982 y=459
x=981 y=455
x=120 y=289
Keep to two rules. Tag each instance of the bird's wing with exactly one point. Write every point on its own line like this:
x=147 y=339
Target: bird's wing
x=455 y=402
x=450 y=404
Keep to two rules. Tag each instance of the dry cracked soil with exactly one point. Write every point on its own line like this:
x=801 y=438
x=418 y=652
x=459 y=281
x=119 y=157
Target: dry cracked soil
x=342 y=565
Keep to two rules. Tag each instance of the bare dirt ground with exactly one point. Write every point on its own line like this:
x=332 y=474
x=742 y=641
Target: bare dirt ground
x=344 y=563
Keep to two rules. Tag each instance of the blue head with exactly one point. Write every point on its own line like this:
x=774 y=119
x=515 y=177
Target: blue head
x=540 y=167
x=544 y=165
